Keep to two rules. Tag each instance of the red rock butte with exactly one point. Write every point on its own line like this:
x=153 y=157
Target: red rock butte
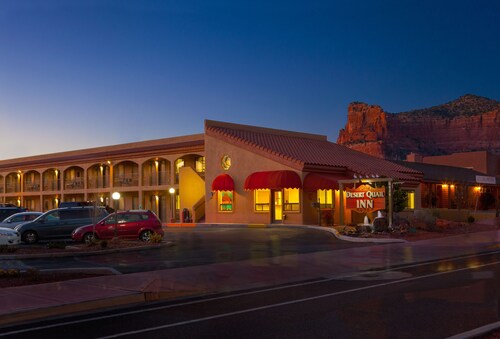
x=469 y=123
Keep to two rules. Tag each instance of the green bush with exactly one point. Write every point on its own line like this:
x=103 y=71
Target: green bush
x=470 y=219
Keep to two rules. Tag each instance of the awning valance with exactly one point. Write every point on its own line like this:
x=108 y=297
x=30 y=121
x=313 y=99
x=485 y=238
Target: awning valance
x=322 y=181
x=223 y=182
x=273 y=180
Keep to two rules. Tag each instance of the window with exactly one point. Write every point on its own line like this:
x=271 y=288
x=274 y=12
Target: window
x=410 y=202
x=325 y=198
x=225 y=201
x=200 y=165
x=178 y=164
x=292 y=199
x=262 y=200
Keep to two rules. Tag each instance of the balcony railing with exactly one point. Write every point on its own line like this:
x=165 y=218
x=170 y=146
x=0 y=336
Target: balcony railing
x=98 y=182
x=156 y=180
x=126 y=181
x=12 y=188
x=74 y=184
x=32 y=187
x=51 y=185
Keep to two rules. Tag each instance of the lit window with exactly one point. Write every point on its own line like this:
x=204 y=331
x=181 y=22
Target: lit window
x=200 y=165
x=178 y=164
x=262 y=200
x=292 y=199
x=225 y=201
x=325 y=198
x=410 y=202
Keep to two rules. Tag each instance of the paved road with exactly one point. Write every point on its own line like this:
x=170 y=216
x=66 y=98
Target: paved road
x=427 y=300
x=202 y=246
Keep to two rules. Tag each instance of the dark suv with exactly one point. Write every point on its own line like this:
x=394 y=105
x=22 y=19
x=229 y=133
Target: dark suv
x=59 y=223
x=136 y=224
x=6 y=210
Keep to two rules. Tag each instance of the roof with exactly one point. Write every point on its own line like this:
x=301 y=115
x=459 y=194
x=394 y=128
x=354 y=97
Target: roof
x=141 y=148
x=308 y=152
x=444 y=174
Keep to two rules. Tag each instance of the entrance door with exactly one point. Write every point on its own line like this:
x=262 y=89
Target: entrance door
x=277 y=206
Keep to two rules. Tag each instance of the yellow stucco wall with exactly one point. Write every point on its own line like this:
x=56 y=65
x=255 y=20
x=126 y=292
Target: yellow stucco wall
x=191 y=188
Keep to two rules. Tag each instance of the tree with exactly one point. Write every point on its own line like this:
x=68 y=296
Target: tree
x=399 y=199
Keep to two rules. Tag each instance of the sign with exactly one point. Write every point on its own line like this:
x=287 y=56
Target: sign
x=225 y=162
x=480 y=179
x=365 y=198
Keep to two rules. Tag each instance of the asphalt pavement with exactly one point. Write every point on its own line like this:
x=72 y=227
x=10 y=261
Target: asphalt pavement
x=69 y=297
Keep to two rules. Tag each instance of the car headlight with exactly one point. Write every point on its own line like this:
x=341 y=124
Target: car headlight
x=7 y=234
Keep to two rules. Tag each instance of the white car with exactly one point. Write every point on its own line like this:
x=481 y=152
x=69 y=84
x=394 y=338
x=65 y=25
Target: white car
x=19 y=218
x=9 y=237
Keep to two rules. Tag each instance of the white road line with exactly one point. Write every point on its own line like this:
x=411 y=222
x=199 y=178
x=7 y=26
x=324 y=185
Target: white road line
x=286 y=303
x=248 y=293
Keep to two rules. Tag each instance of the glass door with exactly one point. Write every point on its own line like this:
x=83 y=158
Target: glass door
x=277 y=203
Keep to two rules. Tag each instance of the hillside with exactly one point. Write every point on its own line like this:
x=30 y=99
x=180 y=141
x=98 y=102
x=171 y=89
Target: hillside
x=469 y=123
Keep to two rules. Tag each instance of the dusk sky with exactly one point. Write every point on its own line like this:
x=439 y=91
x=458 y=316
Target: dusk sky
x=84 y=73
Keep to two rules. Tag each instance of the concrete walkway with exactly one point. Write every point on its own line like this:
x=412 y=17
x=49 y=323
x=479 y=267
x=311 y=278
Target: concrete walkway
x=45 y=300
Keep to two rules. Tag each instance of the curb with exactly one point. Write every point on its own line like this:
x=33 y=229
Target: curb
x=71 y=253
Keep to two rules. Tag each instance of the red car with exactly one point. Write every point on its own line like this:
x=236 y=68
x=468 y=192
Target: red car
x=136 y=224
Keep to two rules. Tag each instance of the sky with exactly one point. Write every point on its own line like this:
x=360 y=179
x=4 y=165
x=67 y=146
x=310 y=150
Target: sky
x=86 y=73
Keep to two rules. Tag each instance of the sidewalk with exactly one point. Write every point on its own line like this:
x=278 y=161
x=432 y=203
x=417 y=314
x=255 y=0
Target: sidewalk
x=62 y=298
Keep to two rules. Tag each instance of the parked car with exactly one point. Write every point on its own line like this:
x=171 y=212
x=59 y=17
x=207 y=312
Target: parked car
x=59 y=223
x=75 y=203
x=135 y=224
x=19 y=218
x=9 y=237
x=6 y=210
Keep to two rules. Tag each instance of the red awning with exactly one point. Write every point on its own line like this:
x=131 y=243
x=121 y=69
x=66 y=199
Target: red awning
x=322 y=181
x=223 y=182
x=273 y=180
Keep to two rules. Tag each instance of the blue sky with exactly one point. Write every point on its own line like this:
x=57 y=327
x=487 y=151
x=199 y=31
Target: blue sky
x=85 y=73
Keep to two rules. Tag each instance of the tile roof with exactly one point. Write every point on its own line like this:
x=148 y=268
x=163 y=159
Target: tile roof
x=443 y=173
x=307 y=151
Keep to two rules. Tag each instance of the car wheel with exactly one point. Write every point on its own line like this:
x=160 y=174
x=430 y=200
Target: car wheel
x=145 y=236
x=30 y=237
x=89 y=238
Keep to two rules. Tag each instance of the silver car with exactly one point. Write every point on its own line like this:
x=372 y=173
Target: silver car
x=19 y=218
x=9 y=237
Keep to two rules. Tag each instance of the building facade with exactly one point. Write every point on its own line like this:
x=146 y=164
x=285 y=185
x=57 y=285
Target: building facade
x=143 y=173
x=229 y=174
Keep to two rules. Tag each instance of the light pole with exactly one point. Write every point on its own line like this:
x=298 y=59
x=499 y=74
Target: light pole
x=172 y=192
x=116 y=198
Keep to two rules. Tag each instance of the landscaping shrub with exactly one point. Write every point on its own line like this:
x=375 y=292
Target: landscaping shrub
x=9 y=273
x=424 y=220
x=155 y=238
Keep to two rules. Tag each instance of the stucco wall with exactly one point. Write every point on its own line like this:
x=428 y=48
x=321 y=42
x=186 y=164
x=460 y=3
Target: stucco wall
x=243 y=163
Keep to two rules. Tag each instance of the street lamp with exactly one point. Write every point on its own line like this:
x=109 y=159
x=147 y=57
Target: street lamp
x=172 y=192
x=116 y=198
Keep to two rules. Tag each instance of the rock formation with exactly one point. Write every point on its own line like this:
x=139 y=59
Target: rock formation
x=469 y=123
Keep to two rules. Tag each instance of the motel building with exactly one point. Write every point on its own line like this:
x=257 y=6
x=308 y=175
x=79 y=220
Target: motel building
x=229 y=174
